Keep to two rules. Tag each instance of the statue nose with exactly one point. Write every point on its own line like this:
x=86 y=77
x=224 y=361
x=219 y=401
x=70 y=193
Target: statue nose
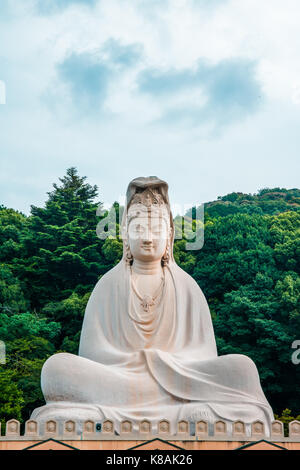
x=147 y=238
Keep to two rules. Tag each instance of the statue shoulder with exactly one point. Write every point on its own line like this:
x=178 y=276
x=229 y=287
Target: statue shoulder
x=187 y=280
x=179 y=272
x=110 y=277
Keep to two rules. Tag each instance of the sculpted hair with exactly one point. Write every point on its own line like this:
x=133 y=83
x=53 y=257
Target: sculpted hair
x=148 y=197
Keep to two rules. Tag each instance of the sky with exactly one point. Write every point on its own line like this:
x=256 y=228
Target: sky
x=204 y=94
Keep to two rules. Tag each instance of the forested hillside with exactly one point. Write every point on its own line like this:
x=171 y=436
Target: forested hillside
x=248 y=270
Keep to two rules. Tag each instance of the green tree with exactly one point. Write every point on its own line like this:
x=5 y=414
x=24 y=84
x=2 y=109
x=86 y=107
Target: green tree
x=11 y=398
x=62 y=253
x=12 y=298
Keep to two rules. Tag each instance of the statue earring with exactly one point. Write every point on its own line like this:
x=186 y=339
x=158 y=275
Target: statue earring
x=166 y=256
x=128 y=254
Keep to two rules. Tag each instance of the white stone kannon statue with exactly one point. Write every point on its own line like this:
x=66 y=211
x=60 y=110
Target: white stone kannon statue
x=147 y=347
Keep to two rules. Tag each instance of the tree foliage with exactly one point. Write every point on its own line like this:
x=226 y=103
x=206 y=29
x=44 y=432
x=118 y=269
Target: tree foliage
x=248 y=269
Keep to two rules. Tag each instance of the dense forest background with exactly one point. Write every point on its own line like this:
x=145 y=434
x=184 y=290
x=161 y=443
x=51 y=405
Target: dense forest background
x=248 y=270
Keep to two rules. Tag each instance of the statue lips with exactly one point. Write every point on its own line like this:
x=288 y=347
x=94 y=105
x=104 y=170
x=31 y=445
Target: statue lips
x=147 y=246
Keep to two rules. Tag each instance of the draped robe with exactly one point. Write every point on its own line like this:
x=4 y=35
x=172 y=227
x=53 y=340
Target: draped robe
x=170 y=371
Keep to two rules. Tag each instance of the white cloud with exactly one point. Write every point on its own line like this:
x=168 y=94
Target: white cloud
x=38 y=140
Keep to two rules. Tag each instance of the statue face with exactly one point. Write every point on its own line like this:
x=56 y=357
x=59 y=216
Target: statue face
x=147 y=236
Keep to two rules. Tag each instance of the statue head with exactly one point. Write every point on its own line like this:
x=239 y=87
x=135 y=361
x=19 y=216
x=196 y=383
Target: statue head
x=147 y=226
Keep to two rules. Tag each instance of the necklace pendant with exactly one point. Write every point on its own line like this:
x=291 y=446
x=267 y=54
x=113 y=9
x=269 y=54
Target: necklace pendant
x=147 y=302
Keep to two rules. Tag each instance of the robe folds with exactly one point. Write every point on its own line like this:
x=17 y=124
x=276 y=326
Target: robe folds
x=160 y=365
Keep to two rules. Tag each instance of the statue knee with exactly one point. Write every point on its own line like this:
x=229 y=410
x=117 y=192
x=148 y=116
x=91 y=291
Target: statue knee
x=54 y=370
x=56 y=362
x=243 y=361
x=245 y=367
x=240 y=363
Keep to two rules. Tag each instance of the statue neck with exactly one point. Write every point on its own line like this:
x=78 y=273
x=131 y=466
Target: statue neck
x=149 y=267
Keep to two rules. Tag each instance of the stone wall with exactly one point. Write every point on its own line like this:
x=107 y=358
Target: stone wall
x=105 y=430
